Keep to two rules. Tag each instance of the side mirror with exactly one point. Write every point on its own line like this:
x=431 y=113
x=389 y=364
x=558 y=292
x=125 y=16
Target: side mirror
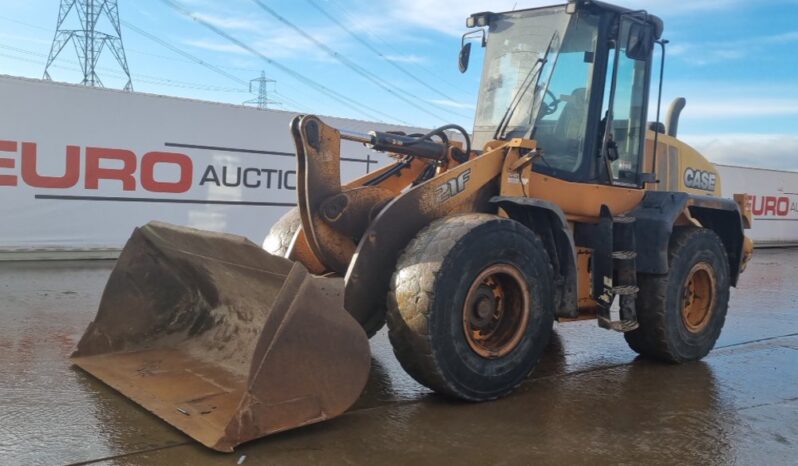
x=640 y=41
x=465 y=55
x=465 y=47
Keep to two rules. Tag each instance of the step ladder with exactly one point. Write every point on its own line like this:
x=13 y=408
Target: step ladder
x=614 y=270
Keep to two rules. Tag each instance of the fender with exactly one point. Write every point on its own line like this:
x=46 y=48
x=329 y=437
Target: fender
x=465 y=188
x=658 y=213
x=548 y=221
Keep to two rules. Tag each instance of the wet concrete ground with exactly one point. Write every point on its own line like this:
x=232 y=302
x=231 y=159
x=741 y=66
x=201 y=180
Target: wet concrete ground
x=591 y=401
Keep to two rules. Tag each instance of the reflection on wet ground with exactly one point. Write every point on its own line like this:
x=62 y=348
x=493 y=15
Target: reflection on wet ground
x=590 y=400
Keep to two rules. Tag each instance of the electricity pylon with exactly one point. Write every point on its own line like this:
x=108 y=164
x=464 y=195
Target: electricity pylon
x=262 y=100
x=89 y=43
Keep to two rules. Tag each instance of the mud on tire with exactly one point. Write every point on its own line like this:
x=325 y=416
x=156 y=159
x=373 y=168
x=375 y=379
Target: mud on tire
x=428 y=292
x=282 y=233
x=665 y=332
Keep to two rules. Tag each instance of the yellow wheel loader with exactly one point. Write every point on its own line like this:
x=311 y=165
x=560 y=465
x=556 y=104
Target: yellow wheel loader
x=563 y=204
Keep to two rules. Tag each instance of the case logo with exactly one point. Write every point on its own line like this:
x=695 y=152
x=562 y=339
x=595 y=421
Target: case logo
x=699 y=179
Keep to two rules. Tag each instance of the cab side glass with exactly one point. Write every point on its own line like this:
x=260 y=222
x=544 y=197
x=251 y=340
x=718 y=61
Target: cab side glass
x=626 y=135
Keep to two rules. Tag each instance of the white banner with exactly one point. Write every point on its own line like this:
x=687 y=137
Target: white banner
x=774 y=202
x=81 y=167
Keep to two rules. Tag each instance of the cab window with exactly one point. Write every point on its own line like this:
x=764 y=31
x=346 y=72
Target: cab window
x=627 y=132
x=562 y=120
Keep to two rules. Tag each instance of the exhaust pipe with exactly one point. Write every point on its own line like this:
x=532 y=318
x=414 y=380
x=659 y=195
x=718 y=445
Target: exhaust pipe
x=674 y=112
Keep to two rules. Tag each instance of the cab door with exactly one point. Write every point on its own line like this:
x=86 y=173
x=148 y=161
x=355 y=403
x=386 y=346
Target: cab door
x=626 y=102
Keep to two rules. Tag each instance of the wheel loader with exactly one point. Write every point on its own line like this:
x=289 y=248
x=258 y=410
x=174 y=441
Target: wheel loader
x=563 y=204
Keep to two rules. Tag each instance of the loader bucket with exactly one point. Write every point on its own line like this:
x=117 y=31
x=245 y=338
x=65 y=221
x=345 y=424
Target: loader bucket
x=221 y=339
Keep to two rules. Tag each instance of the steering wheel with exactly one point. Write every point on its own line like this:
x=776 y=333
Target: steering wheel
x=552 y=107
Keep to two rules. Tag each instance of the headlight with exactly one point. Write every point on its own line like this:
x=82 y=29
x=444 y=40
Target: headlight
x=478 y=20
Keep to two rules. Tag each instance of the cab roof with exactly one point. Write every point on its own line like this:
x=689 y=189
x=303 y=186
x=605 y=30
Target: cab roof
x=596 y=5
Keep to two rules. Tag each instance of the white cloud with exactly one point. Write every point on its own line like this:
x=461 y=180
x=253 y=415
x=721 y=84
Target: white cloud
x=272 y=41
x=727 y=100
x=742 y=107
x=215 y=46
x=231 y=22
x=777 y=151
x=707 y=53
x=21 y=39
x=411 y=58
x=670 y=8
x=453 y=104
x=444 y=16
x=274 y=47
x=780 y=38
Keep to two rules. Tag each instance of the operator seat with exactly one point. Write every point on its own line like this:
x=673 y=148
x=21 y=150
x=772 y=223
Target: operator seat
x=570 y=127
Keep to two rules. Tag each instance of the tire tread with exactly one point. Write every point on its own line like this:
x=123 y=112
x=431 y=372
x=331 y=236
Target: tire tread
x=419 y=266
x=651 y=339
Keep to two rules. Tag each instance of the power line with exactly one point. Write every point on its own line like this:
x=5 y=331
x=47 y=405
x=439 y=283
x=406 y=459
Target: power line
x=190 y=59
x=376 y=51
x=344 y=100
x=184 y=54
x=345 y=11
x=392 y=62
x=292 y=102
x=25 y=24
x=128 y=49
x=194 y=59
x=139 y=77
x=350 y=64
x=215 y=68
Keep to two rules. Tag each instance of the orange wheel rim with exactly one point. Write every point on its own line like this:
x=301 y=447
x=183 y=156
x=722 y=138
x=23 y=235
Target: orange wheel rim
x=496 y=311
x=698 y=297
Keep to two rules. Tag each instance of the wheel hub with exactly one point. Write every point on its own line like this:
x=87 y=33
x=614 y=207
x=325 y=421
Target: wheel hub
x=698 y=297
x=496 y=311
x=484 y=307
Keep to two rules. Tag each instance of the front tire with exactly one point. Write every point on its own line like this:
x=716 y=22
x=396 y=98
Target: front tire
x=681 y=314
x=471 y=306
x=282 y=233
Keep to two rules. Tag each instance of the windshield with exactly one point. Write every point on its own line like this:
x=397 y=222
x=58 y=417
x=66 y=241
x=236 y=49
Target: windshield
x=537 y=84
x=518 y=42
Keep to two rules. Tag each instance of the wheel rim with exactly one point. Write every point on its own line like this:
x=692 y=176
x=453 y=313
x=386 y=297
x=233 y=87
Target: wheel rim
x=496 y=311
x=698 y=299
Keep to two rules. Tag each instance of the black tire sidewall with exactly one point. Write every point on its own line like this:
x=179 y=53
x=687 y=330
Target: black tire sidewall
x=470 y=375
x=686 y=345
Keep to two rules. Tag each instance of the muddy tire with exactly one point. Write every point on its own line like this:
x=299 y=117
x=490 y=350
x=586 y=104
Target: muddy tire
x=282 y=233
x=471 y=306
x=682 y=313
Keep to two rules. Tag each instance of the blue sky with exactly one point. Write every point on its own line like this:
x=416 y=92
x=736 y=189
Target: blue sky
x=736 y=61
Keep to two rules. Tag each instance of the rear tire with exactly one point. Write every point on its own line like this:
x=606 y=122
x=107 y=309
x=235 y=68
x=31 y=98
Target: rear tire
x=471 y=306
x=681 y=314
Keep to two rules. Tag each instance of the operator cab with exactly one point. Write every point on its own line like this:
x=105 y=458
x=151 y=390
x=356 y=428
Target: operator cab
x=575 y=78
